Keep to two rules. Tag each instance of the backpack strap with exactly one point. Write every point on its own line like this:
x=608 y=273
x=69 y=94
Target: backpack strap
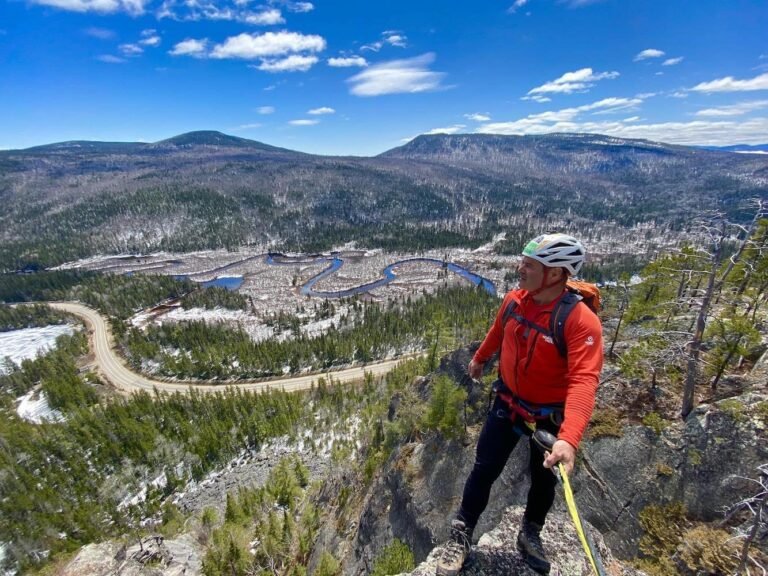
x=558 y=318
x=511 y=312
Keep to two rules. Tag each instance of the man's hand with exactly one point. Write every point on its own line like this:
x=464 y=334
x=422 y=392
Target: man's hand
x=561 y=452
x=475 y=369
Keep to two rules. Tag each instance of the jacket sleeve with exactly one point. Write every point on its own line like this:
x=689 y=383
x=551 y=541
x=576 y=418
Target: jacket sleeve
x=584 y=337
x=493 y=338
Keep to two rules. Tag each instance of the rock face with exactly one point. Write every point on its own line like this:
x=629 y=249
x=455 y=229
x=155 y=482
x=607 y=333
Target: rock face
x=495 y=553
x=154 y=556
x=700 y=462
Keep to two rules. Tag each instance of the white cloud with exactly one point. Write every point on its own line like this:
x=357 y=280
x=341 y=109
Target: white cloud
x=246 y=127
x=734 y=109
x=679 y=95
x=698 y=132
x=537 y=98
x=100 y=33
x=397 y=77
x=672 y=61
x=578 y=81
x=149 y=38
x=398 y=40
x=347 y=62
x=303 y=122
x=251 y=46
x=292 y=63
x=612 y=105
x=321 y=110
x=391 y=37
x=109 y=59
x=447 y=130
x=538 y=121
x=516 y=6
x=264 y=110
x=190 y=47
x=265 y=18
x=478 y=116
x=131 y=49
x=132 y=7
x=579 y=3
x=218 y=10
x=730 y=84
x=301 y=6
x=631 y=119
x=649 y=53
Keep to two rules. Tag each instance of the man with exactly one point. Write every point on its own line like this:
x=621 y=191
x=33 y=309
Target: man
x=538 y=387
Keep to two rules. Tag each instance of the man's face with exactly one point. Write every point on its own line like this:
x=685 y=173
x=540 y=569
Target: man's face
x=531 y=274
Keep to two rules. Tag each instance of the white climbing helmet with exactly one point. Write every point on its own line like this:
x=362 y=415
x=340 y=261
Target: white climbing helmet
x=557 y=251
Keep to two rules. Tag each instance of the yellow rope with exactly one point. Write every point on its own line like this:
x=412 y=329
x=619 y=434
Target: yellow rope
x=569 y=500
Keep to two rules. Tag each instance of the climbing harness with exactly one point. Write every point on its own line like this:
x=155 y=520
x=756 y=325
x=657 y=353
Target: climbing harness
x=528 y=412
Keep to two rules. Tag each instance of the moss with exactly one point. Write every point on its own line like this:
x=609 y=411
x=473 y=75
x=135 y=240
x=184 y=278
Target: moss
x=655 y=421
x=734 y=409
x=662 y=567
x=663 y=527
x=761 y=411
x=694 y=457
x=709 y=550
x=663 y=469
x=606 y=422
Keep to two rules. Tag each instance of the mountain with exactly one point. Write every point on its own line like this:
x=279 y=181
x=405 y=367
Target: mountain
x=208 y=190
x=214 y=138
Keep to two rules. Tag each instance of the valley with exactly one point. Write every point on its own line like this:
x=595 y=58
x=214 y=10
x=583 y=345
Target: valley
x=351 y=293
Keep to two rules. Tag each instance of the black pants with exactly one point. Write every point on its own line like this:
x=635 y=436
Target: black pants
x=497 y=440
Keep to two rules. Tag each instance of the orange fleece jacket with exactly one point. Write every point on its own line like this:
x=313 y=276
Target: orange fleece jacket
x=532 y=368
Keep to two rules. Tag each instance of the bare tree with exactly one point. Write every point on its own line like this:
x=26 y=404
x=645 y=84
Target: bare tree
x=718 y=236
x=757 y=506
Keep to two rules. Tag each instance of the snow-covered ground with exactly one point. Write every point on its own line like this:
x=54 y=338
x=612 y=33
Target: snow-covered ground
x=274 y=288
x=33 y=407
x=26 y=343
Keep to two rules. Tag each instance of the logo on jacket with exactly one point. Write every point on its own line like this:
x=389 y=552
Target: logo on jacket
x=589 y=341
x=548 y=339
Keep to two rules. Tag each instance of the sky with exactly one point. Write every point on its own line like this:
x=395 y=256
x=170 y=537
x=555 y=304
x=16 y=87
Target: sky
x=359 y=77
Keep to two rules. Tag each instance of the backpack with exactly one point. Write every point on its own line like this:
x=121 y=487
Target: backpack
x=577 y=291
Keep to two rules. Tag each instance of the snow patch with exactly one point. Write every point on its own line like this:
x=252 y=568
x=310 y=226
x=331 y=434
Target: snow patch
x=490 y=245
x=29 y=343
x=33 y=407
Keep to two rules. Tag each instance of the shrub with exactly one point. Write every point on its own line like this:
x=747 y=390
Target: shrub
x=710 y=550
x=328 y=566
x=606 y=422
x=446 y=408
x=394 y=559
x=655 y=421
x=664 y=527
x=734 y=409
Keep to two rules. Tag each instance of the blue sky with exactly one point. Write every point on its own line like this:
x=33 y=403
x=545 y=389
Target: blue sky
x=360 y=77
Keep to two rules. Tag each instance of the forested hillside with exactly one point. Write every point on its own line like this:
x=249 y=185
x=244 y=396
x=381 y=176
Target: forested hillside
x=209 y=190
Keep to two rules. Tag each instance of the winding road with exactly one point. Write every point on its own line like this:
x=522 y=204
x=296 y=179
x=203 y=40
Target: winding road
x=112 y=368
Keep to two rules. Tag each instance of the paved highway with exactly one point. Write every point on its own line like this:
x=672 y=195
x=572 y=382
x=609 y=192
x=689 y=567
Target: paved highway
x=111 y=367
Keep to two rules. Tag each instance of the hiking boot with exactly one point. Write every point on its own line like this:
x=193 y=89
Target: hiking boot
x=456 y=550
x=529 y=544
